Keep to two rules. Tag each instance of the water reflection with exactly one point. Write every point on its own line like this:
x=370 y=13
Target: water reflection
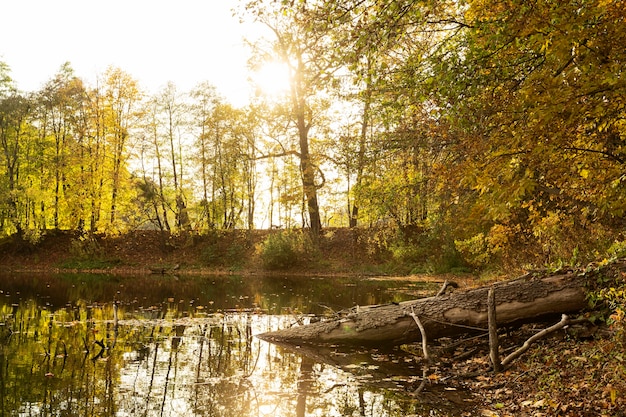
x=164 y=346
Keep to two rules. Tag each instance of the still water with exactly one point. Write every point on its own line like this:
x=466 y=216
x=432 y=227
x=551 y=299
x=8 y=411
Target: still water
x=97 y=345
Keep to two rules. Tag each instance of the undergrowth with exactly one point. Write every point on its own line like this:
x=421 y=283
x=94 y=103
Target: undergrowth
x=286 y=249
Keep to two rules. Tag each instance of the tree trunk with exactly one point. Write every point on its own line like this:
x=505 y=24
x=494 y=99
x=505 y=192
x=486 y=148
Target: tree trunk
x=461 y=312
x=307 y=170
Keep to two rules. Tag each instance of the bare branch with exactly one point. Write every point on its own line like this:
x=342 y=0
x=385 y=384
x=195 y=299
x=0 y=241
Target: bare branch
x=564 y=322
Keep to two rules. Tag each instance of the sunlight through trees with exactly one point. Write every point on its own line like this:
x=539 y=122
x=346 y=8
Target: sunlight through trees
x=476 y=126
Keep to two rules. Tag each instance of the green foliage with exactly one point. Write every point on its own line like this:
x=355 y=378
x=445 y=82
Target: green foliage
x=606 y=292
x=286 y=249
x=617 y=250
x=220 y=249
x=211 y=254
x=475 y=250
x=33 y=236
x=87 y=253
x=279 y=251
x=426 y=252
x=85 y=246
x=615 y=299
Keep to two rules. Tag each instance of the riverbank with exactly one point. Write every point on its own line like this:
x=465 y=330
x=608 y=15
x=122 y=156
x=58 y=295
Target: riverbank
x=341 y=253
x=566 y=374
x=346 y=251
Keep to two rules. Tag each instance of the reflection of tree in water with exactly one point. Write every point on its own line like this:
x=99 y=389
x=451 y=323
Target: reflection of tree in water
x=168 y=361
x=304 y=385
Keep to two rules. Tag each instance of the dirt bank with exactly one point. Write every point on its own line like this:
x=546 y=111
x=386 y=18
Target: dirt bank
x=340 y=251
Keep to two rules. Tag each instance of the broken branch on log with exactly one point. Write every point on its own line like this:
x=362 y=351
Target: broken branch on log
x=446 y=284
x=423 y=334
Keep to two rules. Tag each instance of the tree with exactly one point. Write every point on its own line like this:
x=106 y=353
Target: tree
x=172 y=109
x=537 y=108
x=204 y=100
x=122 y=96
x=60 y=101
x=225 y=142
x=246 y=132
x=153 y=184
x=225 y=148
x=14 y=110
x=307 y=52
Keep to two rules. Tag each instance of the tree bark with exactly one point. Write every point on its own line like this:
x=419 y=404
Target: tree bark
x=448 y=315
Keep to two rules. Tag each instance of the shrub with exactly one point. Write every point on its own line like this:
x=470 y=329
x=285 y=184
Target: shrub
x=281 y=250
x=210 y=255
x=223 y=249
x=86 y=246
x=87 y=253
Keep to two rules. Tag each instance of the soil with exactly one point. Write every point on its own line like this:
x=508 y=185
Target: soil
x=340 y=251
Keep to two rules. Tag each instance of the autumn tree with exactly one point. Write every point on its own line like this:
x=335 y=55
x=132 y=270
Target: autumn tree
x=222 y=141
x=307 y=51
x=247 y=133
x=172 y=110
x=204 y=100
x=14 y=113
x=537 y=106
x=60 y=101
x=94 y=128
x=121 y=95
x=152 y=158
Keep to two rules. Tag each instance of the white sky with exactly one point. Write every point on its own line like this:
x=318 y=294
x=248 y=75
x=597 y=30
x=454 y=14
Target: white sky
x=155 y=41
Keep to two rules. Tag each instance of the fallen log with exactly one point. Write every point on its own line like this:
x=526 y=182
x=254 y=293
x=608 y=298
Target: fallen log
x=448 y=315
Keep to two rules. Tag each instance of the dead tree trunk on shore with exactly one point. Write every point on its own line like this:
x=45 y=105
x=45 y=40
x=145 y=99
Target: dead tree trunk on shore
x=448 y=315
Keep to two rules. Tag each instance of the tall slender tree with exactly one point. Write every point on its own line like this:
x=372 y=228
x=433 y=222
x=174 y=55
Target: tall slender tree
x=14 y=112
x=154 y=180
x=172 y=108
x=307 y=51
x=60 y=100
x=204 y=100
x=122 y=96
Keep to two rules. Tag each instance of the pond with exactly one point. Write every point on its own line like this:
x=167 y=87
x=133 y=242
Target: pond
x=98 y=345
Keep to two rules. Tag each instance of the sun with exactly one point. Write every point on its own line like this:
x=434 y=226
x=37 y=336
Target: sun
x=272 y=79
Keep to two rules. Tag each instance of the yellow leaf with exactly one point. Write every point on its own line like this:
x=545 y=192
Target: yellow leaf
x=613 y=394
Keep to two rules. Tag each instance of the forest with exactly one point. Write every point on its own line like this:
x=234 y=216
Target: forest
x=483 y=132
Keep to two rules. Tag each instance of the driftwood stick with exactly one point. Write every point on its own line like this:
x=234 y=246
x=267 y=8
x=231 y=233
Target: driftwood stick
x=424 y=349
x=494 y=345
x=564 y=322
x=423 y=333
x=443 y=288
x=115 y=318
x=446 y=284
x=422 y=384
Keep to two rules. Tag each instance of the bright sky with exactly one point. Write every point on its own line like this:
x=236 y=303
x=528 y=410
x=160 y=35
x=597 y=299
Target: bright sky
x=155 y=41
